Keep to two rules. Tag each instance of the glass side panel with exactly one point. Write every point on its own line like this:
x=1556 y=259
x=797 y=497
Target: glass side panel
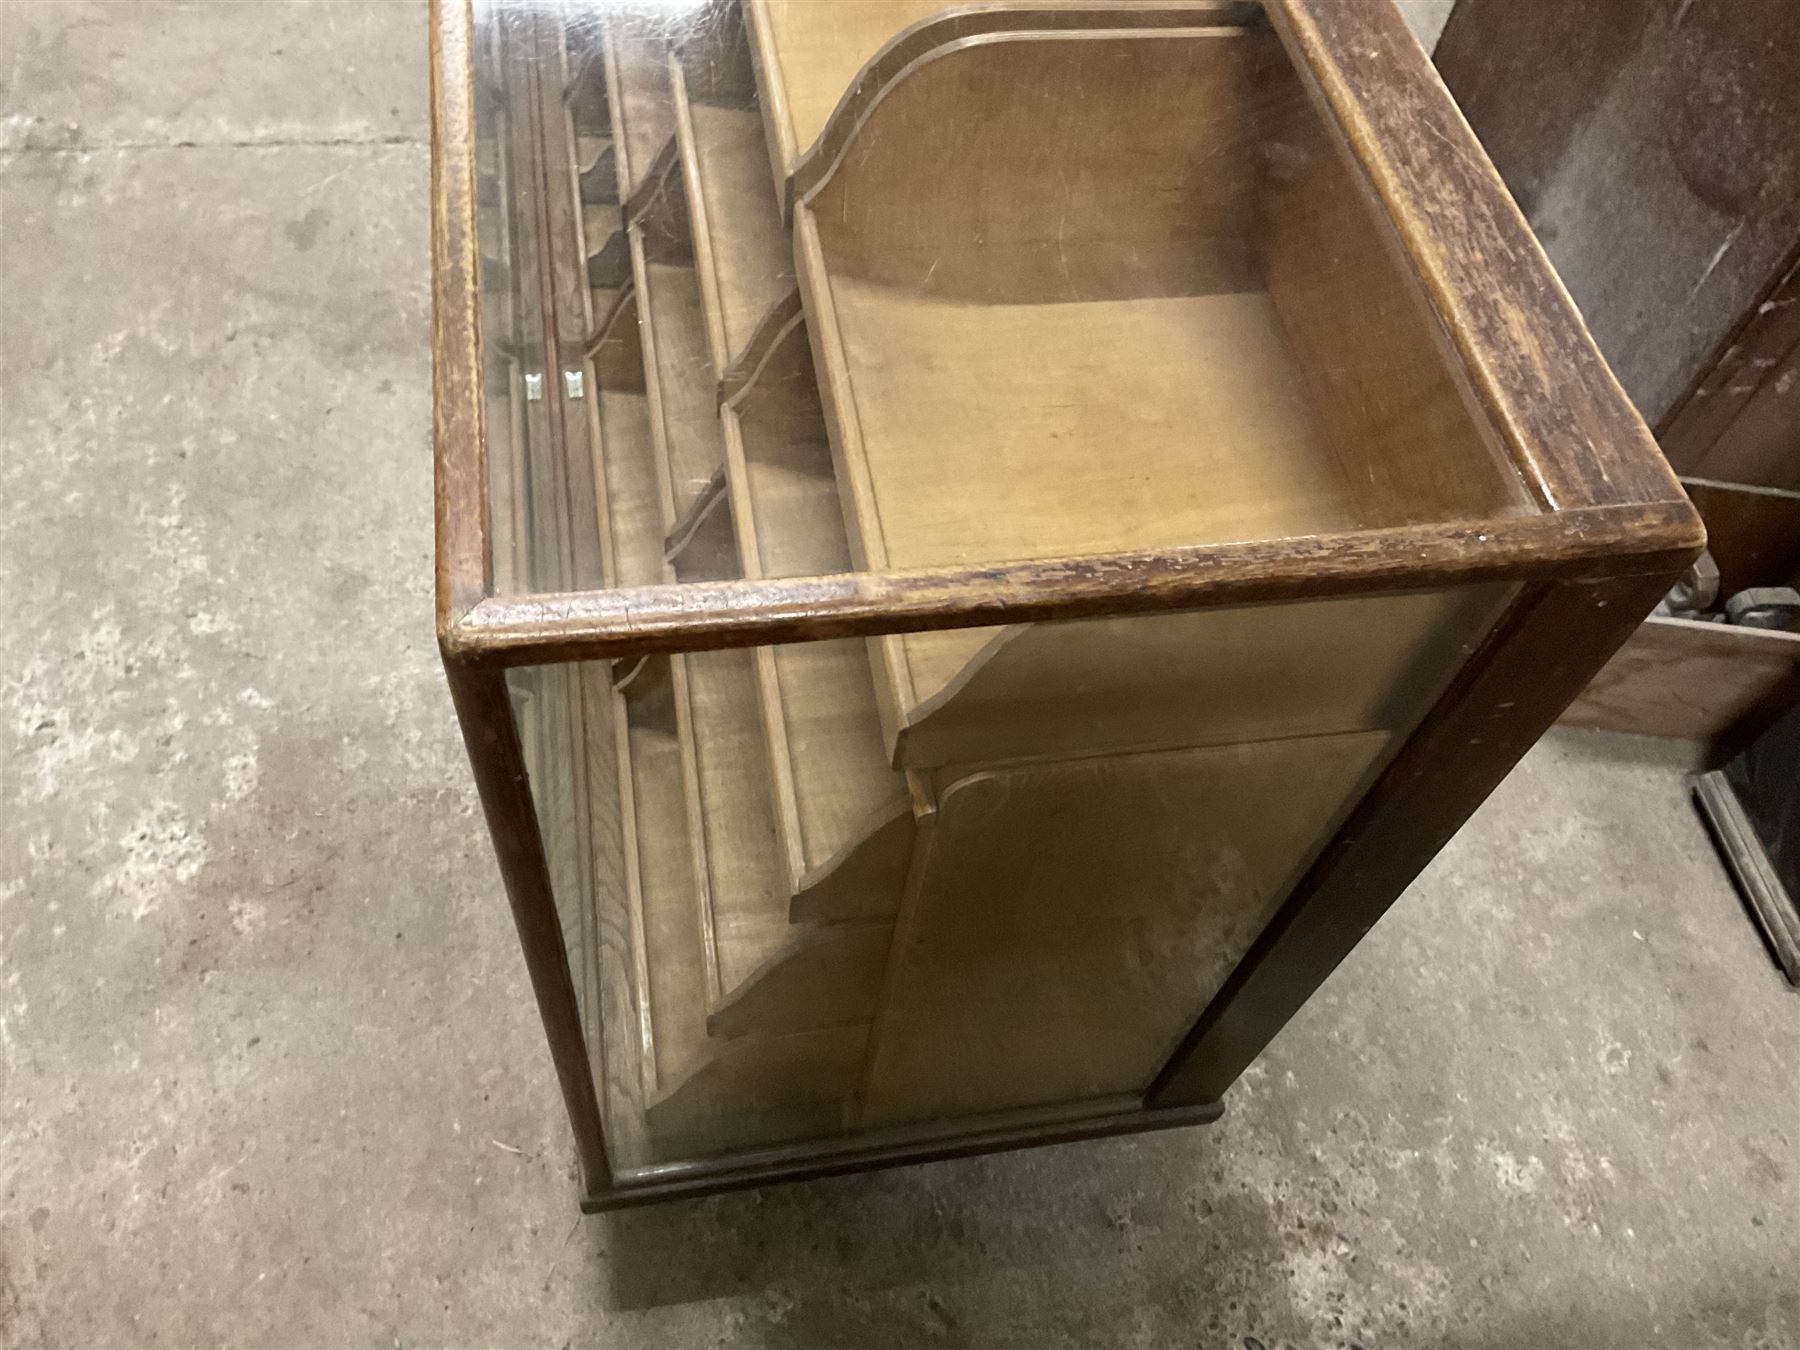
x=1100 y=281
x=801 y=905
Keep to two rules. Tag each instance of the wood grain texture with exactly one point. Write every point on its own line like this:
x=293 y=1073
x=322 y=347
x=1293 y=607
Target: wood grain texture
x=515 y=630
x=745 y=263
x=463 y=551
x=1408 y=433
x=1752 y=533
x=765 y=975
x=684 y=420
x=822 y=67
x=833 y=789
x=643 y=118
x=1611 y=532
x=1208 y=677
x=628 y=473
x=1071 y=916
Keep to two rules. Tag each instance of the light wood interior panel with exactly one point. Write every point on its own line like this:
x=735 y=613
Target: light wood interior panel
x=1133 y=424
x=834 y=788
x=1201 y=677
x=614 y=1029
x=643 y=116
x=627 y=467
x=744 y=256
x=1374 y=358
x=672 y=1002
x=809 y=53
x=1072 y=918
x=679 y=369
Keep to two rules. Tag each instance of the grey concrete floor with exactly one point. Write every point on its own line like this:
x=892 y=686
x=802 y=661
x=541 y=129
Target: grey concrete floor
x=271 y=1071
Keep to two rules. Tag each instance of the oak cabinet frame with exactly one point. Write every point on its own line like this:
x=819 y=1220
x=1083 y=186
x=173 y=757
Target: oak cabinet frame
x=1607 y=531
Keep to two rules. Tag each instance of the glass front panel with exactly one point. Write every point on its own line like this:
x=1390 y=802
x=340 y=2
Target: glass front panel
x=915 y=287
x=817 y=889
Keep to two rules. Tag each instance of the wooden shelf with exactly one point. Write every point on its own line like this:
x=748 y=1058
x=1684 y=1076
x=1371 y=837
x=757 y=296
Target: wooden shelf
x=638 y=86
x=743 y=252
x=809 y=54
x=690 y=445
x=1071 y=915
x=631 y=510
x=764 y=973
x=843 y=817
x=701 y=1094
x=846 y=818
x=597 y=171
x=670 y=962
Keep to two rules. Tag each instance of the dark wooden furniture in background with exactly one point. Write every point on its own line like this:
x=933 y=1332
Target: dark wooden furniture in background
x=1148 y=743
x=1753 y=807
x=1651 y=145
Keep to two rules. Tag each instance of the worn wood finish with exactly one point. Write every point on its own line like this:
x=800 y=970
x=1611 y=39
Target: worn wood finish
x=1205 y=677
x=514 y=630
x=1753 y=533
x=822 y=67
x=1395 y=405
x=1533 y=663
x=844 y=815
x=1710 y=682
x=1559 y=411
x=463 y=551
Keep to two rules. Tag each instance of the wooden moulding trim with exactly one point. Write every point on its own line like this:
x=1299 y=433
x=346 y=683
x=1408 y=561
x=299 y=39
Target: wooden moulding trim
x=705 y=502
x=942 y=33
x=626 y=298
x=1561 y=414
x=699 y=616
x=464 y=550
x=871 y=1149
x=771 y=330
x=656 y=182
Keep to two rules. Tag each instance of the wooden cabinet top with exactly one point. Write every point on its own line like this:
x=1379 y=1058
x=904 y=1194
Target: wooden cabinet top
x=1022 y=311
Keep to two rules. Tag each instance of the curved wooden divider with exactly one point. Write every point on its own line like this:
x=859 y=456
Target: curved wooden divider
x=823 y=67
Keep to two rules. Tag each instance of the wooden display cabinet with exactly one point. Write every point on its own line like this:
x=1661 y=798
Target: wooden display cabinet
x=980 y=548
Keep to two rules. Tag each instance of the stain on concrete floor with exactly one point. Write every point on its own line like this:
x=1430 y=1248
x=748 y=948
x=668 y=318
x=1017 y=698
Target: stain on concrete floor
x=271 y=1072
